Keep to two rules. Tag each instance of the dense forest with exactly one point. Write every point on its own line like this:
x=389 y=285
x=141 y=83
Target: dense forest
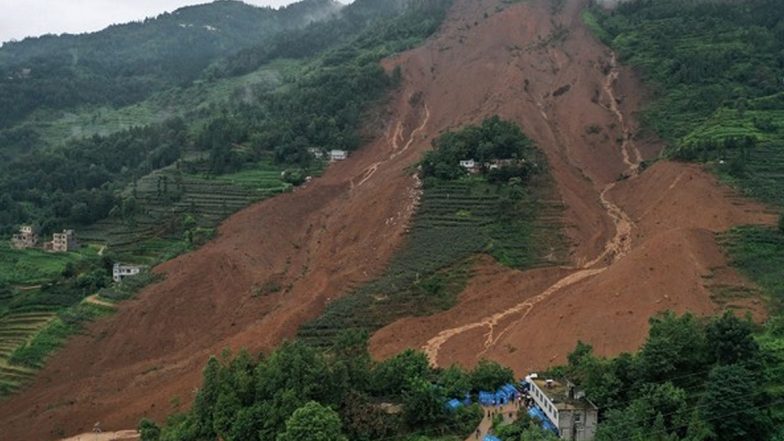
x=79 y=183
x=125 y=63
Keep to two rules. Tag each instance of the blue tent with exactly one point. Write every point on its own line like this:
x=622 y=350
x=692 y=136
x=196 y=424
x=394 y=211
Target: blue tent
x=506 y=394
x=487 y=398
x=491 y=438
x=467 y=399
x=454 y=404
x=538 y=413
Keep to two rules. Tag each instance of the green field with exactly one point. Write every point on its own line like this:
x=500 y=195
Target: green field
x=34 y=266
x=154 y=231
x=455 y=221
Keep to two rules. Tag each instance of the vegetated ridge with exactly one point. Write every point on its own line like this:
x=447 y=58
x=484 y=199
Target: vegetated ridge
x=655 y=228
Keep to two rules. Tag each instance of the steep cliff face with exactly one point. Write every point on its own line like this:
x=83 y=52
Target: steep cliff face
x=642 y=240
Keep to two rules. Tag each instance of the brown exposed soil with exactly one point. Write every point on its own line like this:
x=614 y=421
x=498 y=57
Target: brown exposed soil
x=657 y=227
x=641 y=245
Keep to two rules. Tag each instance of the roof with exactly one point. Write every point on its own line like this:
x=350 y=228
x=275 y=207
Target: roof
x=558 y=393
x=491 y=438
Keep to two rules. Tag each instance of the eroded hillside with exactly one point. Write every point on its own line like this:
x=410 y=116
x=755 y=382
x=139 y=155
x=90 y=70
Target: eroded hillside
x=642 y=240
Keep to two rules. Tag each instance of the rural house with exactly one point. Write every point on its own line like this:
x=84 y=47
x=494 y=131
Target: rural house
x=27 y=238
x=121 y=271
x=566 y=407
x=338 y=155
x=62 y=242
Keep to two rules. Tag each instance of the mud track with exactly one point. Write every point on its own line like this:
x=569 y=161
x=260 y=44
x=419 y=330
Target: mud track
x=640 y=245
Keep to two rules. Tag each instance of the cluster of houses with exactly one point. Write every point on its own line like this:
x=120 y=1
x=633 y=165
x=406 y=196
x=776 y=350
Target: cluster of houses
x=60 y=243
x=474 y=167
x=559 y=406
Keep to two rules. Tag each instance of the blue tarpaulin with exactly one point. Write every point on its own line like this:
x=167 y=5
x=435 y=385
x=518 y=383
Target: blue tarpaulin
x=487 y=398
x=454 y=404
x=467 y=399
x=538 y=413
x=506 y=394
x=491 y=438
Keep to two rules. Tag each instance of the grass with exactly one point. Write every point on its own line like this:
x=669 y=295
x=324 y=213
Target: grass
x=456 y=220
x=758 y=252
x=34 y=266
x=33 y=353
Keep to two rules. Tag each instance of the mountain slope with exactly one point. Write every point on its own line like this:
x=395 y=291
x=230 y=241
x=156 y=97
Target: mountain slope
x=533 y=63
x=125 y=63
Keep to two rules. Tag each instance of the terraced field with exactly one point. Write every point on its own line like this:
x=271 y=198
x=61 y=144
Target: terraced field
x=166 y=197
x=455 y=221
x=16 y=330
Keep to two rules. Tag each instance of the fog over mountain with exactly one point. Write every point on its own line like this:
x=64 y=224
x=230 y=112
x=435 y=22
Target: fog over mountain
x=38 y=17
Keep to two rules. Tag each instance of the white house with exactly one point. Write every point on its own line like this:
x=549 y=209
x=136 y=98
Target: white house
x=338 y=155
x=468 y=164
x=566 y=407
x=121 y=271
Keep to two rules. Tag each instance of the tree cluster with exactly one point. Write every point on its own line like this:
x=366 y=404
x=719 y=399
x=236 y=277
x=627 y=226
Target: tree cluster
x=494 y=140
x=692 y=380
x=298 y=392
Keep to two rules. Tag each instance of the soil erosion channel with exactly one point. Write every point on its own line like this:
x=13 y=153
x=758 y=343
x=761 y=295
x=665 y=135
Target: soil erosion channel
x=641 y=245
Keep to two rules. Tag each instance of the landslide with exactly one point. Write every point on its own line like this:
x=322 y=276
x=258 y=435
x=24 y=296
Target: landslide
x=644 y=241
x=526 y=62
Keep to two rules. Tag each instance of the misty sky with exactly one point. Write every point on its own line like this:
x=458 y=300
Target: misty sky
x=22 y=18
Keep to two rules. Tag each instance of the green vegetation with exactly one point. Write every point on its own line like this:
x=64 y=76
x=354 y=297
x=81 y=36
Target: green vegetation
x=123 y=64
x=34 y=352
x=716 y=69
x=298 y=392
x=33 y=266
x=151 y=170
x=692 y=380
x=515 y=221
x=499 y=148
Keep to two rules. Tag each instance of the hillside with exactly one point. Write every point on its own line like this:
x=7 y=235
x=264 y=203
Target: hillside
x=604 y=222
x=123 y=64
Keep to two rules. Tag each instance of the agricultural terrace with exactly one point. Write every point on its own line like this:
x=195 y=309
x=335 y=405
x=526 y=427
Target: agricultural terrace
x=172 y=209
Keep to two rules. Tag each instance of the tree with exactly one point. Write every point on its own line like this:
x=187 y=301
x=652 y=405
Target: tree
x=454 y=381
x=207 y=398
x=675 y=346
x=393 y=376
x=313 y=422
x=734 y=405
x=148 y=430
x=489 y=376
x=731 y=340
x=423 y=403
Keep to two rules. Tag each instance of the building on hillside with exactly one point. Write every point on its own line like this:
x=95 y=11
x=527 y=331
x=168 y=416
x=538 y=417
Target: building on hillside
x=316 y=152
x=338 y=155
x=566 y=407
x=27 y=238
x=470 y=165
x=121 y=271
x=62 y=242
x=496 y=164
